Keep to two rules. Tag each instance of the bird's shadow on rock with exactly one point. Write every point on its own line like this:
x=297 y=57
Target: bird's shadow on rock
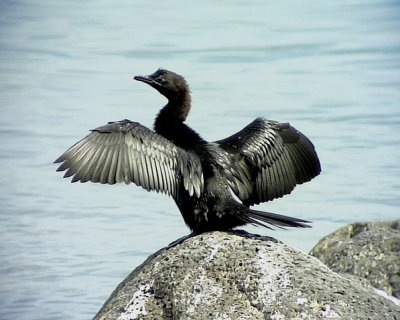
x=240 y=233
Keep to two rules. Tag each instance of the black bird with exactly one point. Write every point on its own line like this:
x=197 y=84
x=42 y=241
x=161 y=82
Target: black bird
x=263 y=161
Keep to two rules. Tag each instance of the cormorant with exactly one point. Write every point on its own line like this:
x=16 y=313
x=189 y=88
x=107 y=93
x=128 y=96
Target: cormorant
x=263 y=161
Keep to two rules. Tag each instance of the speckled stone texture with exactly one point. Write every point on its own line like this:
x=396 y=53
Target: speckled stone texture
x=221 y=275
x=367 y=250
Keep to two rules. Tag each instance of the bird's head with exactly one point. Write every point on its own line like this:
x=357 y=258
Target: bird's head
x=169 y=84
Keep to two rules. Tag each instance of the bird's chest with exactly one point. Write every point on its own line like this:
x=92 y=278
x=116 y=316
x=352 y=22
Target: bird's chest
x=214 y=161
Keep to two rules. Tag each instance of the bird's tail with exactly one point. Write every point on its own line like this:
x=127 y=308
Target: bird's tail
x=261 y=218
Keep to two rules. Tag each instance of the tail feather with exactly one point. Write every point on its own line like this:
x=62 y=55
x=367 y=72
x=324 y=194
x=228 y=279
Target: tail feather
x=231 y=214
x=261 y=218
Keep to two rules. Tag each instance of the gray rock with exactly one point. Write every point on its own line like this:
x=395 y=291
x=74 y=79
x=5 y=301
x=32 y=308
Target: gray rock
x=370 y=251
x=221 y=275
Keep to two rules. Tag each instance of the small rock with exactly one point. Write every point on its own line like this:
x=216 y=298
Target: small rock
x=370 y=251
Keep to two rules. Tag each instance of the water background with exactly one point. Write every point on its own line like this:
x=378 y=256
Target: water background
x=332 y=69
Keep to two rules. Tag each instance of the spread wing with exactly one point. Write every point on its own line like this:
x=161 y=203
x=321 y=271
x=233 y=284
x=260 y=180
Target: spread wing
x=126 y=151
x=268 y=160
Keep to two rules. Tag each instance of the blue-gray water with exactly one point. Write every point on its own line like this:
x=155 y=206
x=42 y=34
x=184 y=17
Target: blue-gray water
x=332 y=69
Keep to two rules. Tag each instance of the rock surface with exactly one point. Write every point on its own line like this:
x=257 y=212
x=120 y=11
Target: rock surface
x=367 y=250
x=221 y=275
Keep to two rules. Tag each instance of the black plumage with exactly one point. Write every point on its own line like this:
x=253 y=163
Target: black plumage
x=263 y=161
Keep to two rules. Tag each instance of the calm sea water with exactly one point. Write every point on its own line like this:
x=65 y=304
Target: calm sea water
x=330 y=69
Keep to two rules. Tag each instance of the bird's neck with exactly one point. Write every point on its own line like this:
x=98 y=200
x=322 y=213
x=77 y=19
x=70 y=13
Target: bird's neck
x=178 y=106
x=169 y=124
x=174 y=113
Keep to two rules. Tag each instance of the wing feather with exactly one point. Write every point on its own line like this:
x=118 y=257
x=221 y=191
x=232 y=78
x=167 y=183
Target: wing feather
x=269 y=159
x=126 y=151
